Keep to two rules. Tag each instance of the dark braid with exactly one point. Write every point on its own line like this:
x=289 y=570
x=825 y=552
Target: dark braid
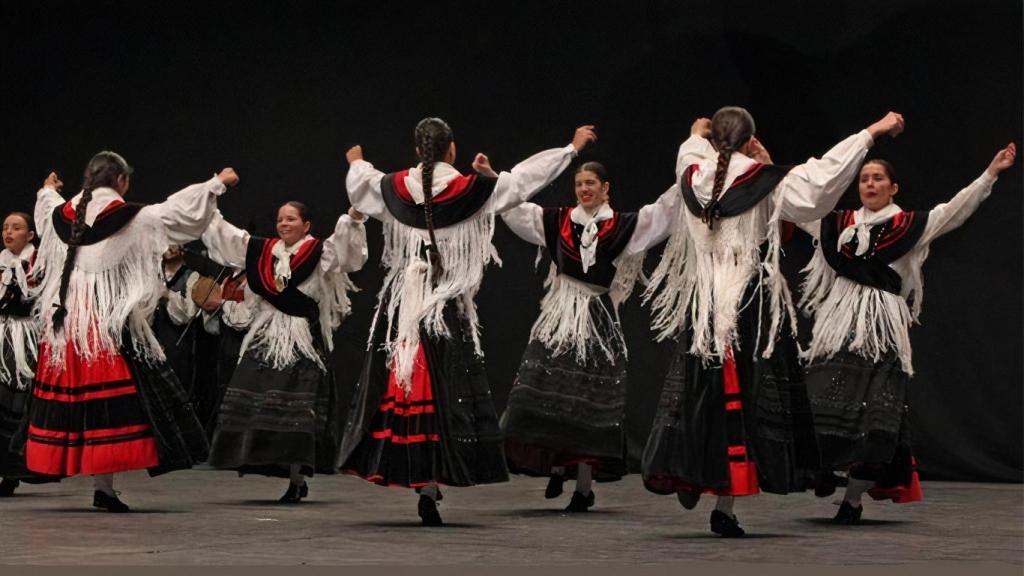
x=103 y=170
x=731 y=128
x=432 y=137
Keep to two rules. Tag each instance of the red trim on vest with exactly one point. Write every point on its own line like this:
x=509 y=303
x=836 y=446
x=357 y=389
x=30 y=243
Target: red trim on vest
x=900 y=226
x=689 y=175
x=456 y=188
x=69 y=213
x=565 y=231
x=747 y=175
x=303 y=253
x=266 y=265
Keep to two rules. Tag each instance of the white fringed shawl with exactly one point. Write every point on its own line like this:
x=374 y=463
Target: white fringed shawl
x=18 y=333
x=412 y=300
x=566 y=322
x=865 y=320
x=704 y=273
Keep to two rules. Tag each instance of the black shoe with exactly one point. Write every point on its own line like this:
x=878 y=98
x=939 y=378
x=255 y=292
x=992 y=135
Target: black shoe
x=580 y=503
x=554 y=489
x=7 y=487
x=725 y=525
x=847 y=514
x=108 y=502
x=428 y=512
x=295 y=493
x=688 y=498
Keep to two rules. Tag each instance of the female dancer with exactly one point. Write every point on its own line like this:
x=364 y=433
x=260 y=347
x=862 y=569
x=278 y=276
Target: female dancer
x=566 y=411
x=103 y=399
x=17 y=342
x=279 y=415
x=422 y=412
x=733 y=417
x=864 y=288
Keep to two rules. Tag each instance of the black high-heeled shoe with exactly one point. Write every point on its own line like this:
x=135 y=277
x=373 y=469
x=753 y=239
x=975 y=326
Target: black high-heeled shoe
x=109 y=503
x=725 y=525
x=847 y=514
x=580 y=503
x=427 y=509
x=295 y=493
x=554 y=489
x=7 y=487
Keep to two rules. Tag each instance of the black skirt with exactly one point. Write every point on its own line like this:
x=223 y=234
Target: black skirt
x=693 y=432
x=861 y=418
x=13 y=406
x=218 y=358
x=562 y=412
x=272 y=419
x=445 y=432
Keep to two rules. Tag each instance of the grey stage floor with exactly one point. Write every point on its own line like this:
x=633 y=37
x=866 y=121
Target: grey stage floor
x=201 y=517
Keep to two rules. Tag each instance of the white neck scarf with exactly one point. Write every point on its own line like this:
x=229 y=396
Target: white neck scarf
x=283 y=260
x=863 y=220
x=588 y=240
x=12 y=269
x=444 y=173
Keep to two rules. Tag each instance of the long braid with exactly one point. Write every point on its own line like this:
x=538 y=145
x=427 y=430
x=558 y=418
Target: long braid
x=103 y=170
x=710 y=212
x=78 y=230
x=731 y=128
x=432 y=137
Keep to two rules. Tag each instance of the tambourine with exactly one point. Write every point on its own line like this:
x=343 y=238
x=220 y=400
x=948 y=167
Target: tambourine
x=204 y=289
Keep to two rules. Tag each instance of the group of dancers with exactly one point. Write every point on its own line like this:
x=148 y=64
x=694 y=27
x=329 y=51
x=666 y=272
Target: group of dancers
x=94 y=378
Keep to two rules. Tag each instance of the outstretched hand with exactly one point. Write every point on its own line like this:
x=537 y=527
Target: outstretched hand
x=1003 y=160
x=758 y=152
x=482 y=165
x=228 y=176
x=701 y=127
x=584 y=136
x=891 y=124
x=52 y=181
x=354 y=153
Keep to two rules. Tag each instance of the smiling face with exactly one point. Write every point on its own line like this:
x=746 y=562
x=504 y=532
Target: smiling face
x=875 y=186
x=591 y=192
x=290 y=226
x=17 y=233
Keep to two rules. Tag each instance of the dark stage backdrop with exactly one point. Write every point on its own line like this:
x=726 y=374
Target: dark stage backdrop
x=280 y=91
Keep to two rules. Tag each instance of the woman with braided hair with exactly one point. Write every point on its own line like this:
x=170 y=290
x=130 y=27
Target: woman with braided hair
x=422 y=413
x=864 y=288
x=279 y=414
x=566 y=412
x=733 y=418
x=103 y=399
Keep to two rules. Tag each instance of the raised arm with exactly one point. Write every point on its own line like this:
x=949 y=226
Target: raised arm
x=951 y=215
x=533 y=174
x=811 y=190
x=525 y=220
x=696 y=147
x=47 y=199
x=345 y=250
x=186 y=213
x=655 y=222
x=363 y=185
x=226 y=243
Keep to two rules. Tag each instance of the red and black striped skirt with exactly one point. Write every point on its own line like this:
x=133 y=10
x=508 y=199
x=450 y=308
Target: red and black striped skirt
x=87 y=417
